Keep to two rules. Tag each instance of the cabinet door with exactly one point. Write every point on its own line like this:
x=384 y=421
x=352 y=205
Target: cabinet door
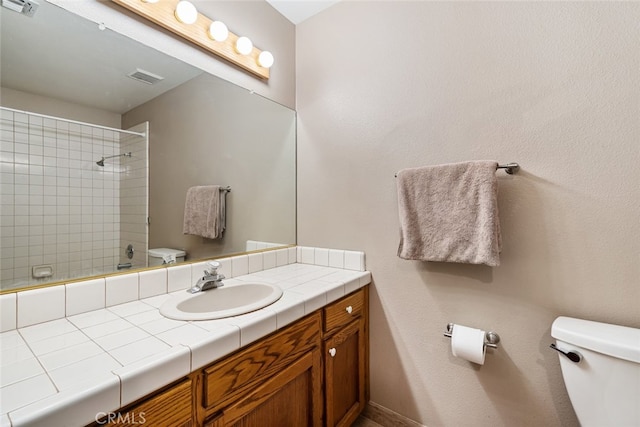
x=292 y=398
x=345 y=374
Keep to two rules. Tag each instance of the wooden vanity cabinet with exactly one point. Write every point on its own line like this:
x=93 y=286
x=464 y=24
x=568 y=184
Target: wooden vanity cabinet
x=311 y=373
x=345 y=347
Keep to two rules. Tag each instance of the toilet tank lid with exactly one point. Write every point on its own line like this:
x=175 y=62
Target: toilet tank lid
x=614 y=340
x=160 y=252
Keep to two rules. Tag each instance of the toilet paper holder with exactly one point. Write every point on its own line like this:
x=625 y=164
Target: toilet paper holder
x=491 y=339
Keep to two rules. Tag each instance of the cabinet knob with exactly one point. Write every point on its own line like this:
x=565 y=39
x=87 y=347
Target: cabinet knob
x=332 y=352
x=349 y=309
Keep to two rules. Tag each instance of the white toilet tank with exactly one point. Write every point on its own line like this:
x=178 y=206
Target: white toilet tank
x=604 y=386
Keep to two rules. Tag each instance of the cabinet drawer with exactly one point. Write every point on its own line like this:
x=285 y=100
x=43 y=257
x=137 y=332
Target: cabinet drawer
x=230 y=379
x=342 y=312
x=172 y=407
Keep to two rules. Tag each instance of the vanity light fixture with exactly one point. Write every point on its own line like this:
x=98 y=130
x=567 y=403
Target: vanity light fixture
x=244 y=45
x=182 y=18
x=186 y=12
x=265 y=59
x=218 y=31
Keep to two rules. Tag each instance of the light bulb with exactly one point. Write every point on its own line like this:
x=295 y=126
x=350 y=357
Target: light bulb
x=186 y=12
x=265 y=59
x=244 y=46
x=218 y=31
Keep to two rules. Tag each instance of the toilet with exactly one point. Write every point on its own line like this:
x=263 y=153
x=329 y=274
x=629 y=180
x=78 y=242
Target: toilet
x=160 y=256
x=600 y=364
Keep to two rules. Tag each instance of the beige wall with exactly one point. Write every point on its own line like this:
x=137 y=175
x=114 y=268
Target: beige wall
x=383 y=86
x=209 y=132
x=25 y=101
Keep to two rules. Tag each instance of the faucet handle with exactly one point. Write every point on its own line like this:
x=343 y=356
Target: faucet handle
x=212 y=268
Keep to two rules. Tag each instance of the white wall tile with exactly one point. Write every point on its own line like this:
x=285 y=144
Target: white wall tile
x=255 y=262
x=198 y=268
x=179 y=277
x=321 y=257
x=152 y=282
x=336 y=258
x=307 y=255
x=85 y=296
x=354 y=260
x=269 y=260
x=239 y=265
x=121 y=289
x=41 y=305
x=8 y=307
x=225 y=267
x=293 y=255
x=282 y=257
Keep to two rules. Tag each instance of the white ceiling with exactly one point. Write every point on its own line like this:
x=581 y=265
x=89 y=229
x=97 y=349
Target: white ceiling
x=297 y=11
x=60 y=55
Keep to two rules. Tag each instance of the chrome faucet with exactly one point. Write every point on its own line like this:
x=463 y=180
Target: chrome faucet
x=211 y=279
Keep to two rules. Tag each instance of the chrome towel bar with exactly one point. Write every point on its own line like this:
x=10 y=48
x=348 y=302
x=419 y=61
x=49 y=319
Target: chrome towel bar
x=510 y=168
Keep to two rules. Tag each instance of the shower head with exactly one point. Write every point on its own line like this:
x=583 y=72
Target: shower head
x=101 y=161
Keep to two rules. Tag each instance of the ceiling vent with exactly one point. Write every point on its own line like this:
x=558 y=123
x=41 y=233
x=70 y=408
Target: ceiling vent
x=145 y=76
x=26 y=7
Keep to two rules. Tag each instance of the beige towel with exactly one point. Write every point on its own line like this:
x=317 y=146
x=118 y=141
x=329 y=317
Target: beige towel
x=450 y=213
x=204 y=212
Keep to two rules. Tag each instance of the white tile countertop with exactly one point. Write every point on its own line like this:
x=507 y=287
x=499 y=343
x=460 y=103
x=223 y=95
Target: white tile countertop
x=71 y=370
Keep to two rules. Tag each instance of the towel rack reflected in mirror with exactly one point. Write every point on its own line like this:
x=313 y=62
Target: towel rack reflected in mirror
x=509 y=168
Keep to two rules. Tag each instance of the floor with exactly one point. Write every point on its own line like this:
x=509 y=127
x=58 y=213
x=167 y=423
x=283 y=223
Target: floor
x=365 y=422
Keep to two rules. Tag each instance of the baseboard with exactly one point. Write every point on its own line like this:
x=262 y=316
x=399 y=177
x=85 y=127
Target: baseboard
x=386 y=417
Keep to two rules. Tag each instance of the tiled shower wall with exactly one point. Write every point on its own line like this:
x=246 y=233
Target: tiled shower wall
x=58 y=207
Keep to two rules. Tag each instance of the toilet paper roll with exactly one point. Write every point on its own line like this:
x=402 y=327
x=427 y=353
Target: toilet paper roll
x=468 y=343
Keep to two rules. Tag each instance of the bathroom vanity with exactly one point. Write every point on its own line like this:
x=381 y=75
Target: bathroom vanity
x=100 y=351
x=311 y=373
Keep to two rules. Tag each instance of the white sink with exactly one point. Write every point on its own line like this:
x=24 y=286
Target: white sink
x=217 y=303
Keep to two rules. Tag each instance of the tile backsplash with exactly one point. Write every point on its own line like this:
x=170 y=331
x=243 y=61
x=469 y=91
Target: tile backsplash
x=35 y=306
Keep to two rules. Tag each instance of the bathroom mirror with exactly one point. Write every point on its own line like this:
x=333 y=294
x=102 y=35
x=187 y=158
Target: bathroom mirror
x=61 y=209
